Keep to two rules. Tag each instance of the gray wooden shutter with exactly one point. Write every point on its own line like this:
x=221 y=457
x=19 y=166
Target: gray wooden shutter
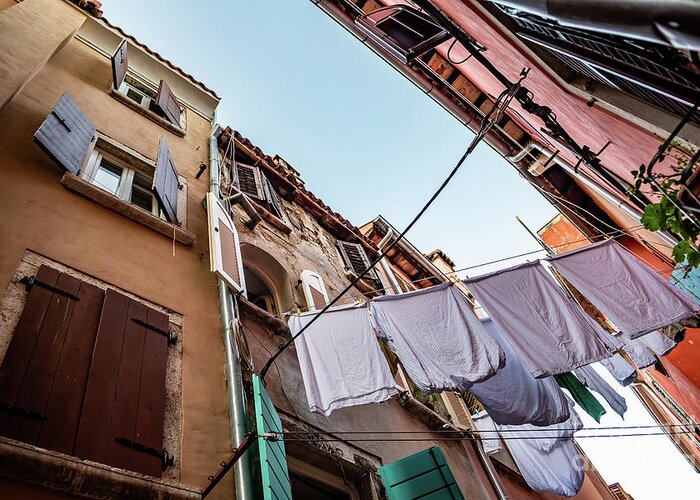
x=272 y=197
x=166 y=101
x=165 y=183
x=119 y=65
x=248 y=181
x=66 y=134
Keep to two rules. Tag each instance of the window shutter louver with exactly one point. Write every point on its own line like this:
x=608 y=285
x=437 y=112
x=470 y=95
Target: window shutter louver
x=165 y=182
x=224 y=247
x=273 y=459
x=119 y=65
x=272 y=198
x=355 y=258
x=44 y=373
x=314 y=290
x=457 y=409
x=66 y=135
x=422 y=475
x=125 y=395
x=167 y=103
x=248 y=181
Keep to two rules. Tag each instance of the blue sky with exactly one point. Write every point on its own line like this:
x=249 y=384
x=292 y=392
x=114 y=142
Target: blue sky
x=368 y=142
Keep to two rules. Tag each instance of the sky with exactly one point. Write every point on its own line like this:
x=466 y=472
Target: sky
x=368 y=142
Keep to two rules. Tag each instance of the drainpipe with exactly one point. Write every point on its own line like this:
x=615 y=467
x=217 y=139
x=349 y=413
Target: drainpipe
x=238 y=418
x=385 y=264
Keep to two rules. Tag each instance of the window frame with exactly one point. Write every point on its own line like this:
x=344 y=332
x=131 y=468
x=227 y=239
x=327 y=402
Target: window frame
x=147 y=101
x=126 y=182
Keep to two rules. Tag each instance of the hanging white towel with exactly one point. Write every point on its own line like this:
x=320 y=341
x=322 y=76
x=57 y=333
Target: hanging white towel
x=634 y=297
x=487 y=430
x=513 y=396
x=439 y=340
x=340 y=360
x=637 y=350
x=550 y=332
x=658 y=342
x=546 y=438
x=620 y=368
x=590 y=378
x=559 y=471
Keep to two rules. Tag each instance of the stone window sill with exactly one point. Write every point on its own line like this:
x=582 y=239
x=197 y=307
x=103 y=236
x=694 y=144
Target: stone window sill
x=26 y=463
x=147 y=113
x=122 y=207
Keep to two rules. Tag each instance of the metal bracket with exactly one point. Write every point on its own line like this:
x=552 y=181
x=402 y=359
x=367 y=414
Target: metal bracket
x=30 y=281
x=15 y=410
x=166 y=459
x=166 y=333
x=61 y=120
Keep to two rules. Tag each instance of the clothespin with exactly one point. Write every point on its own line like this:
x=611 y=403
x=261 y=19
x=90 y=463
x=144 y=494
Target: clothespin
x=298 y=311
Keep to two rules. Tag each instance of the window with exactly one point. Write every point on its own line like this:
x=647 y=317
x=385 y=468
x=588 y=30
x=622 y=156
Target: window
x=355 y=259
x=259 y=292
x=127 y=182
x=149 y=99
x=85 y=374
x=253 y=183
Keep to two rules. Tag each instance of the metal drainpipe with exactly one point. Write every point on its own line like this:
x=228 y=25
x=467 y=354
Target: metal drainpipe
x=385 y=264
x=238 y=418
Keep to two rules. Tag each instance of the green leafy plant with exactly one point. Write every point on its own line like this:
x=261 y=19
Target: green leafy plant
x=665 y=214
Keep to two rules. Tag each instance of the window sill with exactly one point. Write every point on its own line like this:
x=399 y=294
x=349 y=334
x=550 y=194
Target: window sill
x=67 y=474
x=269 y=218
x=136 y=214
x=147 y=113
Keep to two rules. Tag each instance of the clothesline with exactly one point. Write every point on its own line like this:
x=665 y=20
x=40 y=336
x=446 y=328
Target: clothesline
x=623 y=232
x=479 y=438
x=529 y=430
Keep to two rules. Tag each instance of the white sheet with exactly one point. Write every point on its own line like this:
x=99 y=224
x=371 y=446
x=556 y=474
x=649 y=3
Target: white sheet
x=513 y=396
x=550 y=332
x=437 y=337
x=487 y=430
x=340 y=360
x=629 y=293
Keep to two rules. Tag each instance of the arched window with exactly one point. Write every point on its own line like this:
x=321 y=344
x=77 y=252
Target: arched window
x=259 y=292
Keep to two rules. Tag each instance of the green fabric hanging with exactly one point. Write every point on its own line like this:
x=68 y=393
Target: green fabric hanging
x=581 y=395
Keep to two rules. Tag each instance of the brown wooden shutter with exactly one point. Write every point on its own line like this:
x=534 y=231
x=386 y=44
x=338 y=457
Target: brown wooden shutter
x=457 y=409
x=165 y=182
x=66 y=134
x=248 y=181
x=354 y=256
x=45 y=370
x=119 y=64
x=272 y=198
x=167 y=103
x=224 y=247
x=314 y=290
x=125 y=395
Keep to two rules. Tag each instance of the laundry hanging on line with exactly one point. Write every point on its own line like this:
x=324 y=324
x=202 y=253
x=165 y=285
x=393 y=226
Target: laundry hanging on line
x=513 y=396
x=490 y=438
x=437 y=337
x=658 y=342
x=620 y=369
x=549 y=436
x=634 y=297
x=550 y=333
x=638 y=351
x=590 y=378
x=340 y=360
x=581 y=395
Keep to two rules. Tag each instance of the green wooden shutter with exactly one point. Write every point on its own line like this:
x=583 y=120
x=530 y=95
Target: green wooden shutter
x=273 y=459
x=424 y=475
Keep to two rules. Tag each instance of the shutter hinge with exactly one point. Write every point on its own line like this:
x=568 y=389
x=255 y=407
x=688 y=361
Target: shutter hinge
x=61 y=120
x=166 y=333
x=16 y=410
x=30 y=281
x=166 y=459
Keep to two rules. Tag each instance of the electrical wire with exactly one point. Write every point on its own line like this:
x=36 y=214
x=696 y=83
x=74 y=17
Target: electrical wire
x=501 y=104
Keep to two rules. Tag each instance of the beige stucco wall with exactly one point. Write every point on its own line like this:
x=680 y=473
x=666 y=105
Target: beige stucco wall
x=40 y=215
